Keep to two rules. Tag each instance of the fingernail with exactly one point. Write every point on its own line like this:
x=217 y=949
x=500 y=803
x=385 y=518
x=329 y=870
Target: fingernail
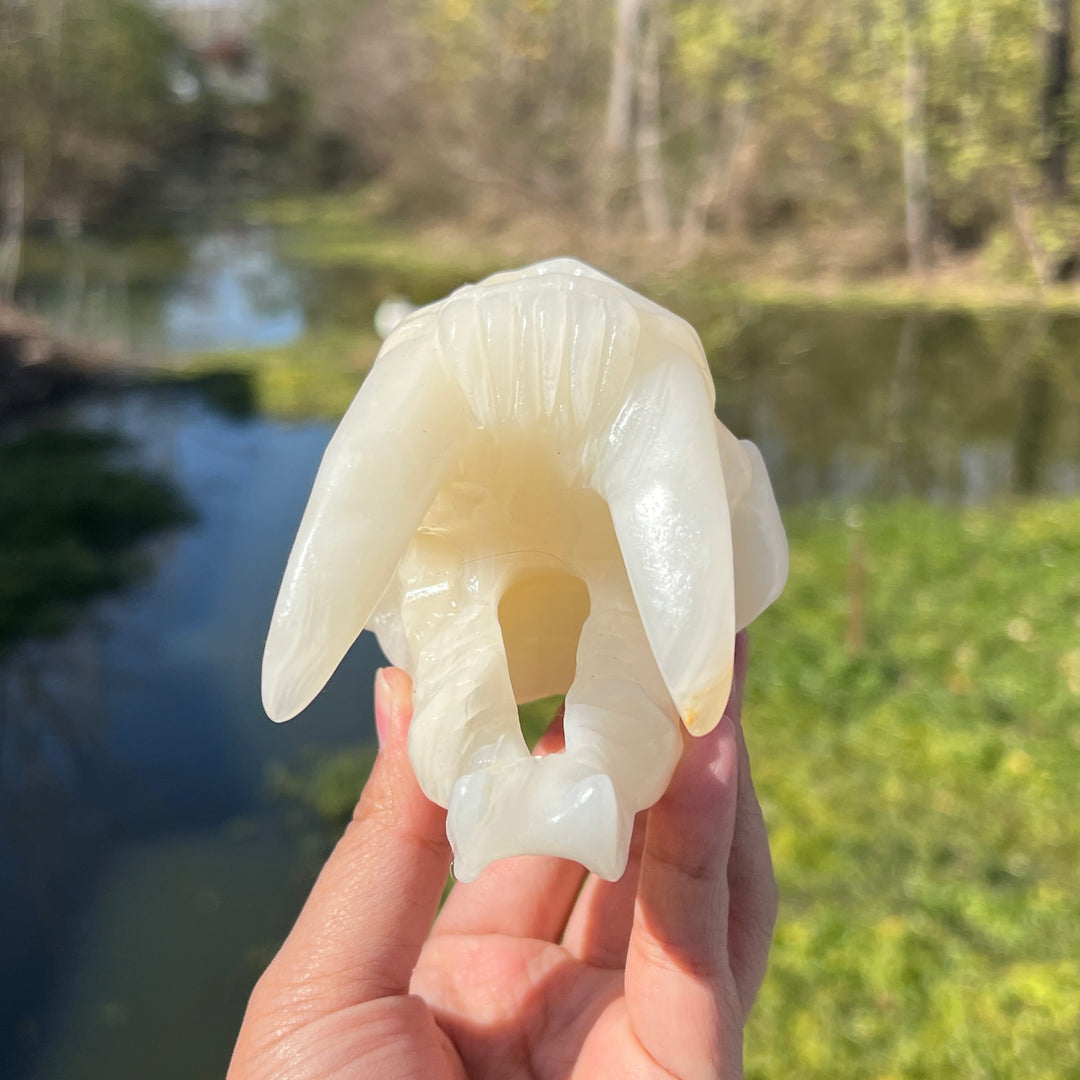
x=383 y=707
x=723 y=759
x=709 y=766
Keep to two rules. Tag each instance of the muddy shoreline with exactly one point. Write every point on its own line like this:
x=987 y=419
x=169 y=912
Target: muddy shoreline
x=37 y=367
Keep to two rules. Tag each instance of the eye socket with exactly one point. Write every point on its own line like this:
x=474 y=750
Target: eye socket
x=541 y=616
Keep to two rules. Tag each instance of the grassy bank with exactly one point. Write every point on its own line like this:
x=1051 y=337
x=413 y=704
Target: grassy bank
x=914 y=719
x=340 y=230
x=313 y=378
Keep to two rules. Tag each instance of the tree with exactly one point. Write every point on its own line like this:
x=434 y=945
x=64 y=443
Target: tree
x=901 y=121
x=12 y=220
x=648 y=138
x=916 y=167
x=618 y=125
x=86 y=100
x=1056 y=119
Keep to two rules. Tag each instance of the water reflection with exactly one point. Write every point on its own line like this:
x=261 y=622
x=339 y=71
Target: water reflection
x=235 y=293
x=940 y=405
x=142 y=732
x=220 y=290
x=52 y=731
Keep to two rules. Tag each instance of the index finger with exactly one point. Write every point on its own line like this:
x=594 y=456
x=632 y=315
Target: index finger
x=359 y=935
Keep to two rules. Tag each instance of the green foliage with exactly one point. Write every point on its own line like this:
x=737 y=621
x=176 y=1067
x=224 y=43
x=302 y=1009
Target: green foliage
x=70 y=515
x=328 y=785
x=535 y=716
x=775 y=116
x=920 y=795
x=86 y=97
x=315 y=377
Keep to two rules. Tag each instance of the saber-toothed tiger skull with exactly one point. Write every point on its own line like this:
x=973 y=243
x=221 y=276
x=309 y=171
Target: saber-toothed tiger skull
x=531 y=494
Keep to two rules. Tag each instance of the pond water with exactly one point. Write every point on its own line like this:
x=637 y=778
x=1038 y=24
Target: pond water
x=219 y=290
x=145 y=873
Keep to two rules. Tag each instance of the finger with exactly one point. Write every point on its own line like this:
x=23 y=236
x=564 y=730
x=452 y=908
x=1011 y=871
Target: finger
x=529 y=896
x=553 y=741
x=361 y=930
x=751 y=884
x=679 y=989
x=598 y=932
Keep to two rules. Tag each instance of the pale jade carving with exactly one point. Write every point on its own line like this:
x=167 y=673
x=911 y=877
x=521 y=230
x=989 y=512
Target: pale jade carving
x=531 y=494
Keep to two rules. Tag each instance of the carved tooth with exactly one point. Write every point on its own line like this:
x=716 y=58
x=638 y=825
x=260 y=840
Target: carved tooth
x=530 y=495
x=659 y=470
x=759 y=544
x=377 y=479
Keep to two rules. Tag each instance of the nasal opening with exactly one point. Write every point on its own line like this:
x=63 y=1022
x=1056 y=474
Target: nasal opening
x=541 y=616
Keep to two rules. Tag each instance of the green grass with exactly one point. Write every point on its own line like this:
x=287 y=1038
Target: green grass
x=71 y=515
x=914 y=723
x=328 y=784
x=921 y=796
x=315 y=377
x=707 y=283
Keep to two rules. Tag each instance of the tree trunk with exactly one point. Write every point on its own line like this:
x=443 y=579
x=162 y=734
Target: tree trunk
x=855 y=634
x=1057 y=47
x=654 y=202
x=1037 y=255
x=619 y=123
x=916 y=168
x=12 y=213
x=715 y=185
x=620 y=108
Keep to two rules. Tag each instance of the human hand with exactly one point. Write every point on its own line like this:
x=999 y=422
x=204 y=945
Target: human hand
x=536 y=969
